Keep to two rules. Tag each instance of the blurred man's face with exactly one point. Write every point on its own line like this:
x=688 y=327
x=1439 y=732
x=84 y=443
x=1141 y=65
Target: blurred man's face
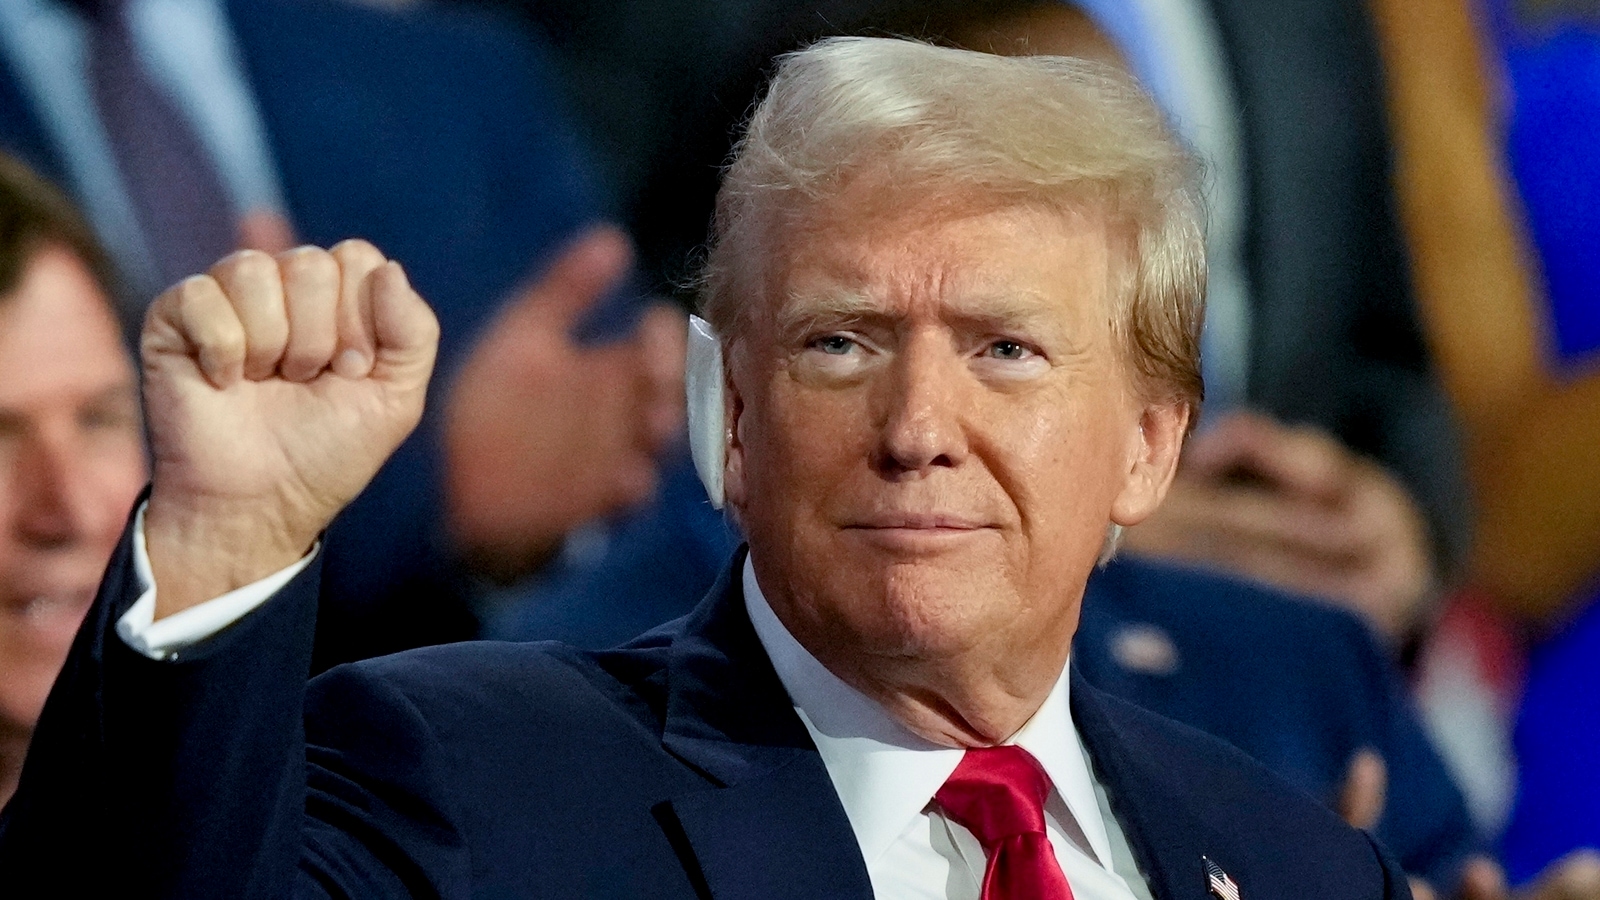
x=71 y=465
x=934 y=429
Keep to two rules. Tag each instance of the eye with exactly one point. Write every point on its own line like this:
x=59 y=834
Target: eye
x=1010 y=360
x=1008 y=350
x=109 y=415
x=833 y=344
x=101 y=419
x=836 y=357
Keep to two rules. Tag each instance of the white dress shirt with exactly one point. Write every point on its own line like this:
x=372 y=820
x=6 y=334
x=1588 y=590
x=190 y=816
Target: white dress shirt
x=885 y=775
x=886 y=778
x=166 y=638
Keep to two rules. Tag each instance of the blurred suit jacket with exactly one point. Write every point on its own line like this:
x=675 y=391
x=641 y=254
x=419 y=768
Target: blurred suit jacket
x=436 y=136
x=1335 y=338
x=1298 y=685
x=673 y=767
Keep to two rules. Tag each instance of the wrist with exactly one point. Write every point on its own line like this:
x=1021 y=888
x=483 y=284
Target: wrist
x=200 y=551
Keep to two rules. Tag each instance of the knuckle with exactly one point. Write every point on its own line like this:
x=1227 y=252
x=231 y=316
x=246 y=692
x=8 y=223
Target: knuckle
x=194 y=293
x=312 y=262
x=244 y=266
x=355 y=251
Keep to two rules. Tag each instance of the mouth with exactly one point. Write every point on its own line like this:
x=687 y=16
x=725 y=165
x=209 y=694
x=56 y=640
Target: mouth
x=52 y=611
x=916 y=533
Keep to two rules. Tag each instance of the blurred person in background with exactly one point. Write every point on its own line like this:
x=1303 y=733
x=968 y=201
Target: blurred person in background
x=186 y=129
x=1498 y=108
x=71 y=447
x=1328 y=464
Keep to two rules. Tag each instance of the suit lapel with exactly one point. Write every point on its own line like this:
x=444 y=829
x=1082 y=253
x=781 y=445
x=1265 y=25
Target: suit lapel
x=772 y=826
x=1169 y=837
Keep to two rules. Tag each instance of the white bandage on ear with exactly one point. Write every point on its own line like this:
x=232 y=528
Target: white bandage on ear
x=708 y=428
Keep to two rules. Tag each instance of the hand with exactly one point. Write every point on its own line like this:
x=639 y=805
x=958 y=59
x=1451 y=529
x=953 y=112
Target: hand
x=1361 y=801
x=274 y=389
x=1575 y=876
x=1365 y=790
x=1293 y=507
x=543 y=434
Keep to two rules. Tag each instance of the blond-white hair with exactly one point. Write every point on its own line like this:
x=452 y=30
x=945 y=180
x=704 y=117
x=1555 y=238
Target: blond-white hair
x=956 y=124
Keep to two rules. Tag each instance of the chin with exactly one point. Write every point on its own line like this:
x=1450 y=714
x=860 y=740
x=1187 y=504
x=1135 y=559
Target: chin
x=926 y=608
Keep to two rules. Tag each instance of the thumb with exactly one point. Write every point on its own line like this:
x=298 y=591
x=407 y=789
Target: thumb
x=405 y=331
x=1365 y=784
x=580 y=275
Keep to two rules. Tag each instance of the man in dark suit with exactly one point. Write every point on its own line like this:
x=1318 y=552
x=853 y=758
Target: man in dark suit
x=438 y=137
x=1340 y=428
x=960 y=348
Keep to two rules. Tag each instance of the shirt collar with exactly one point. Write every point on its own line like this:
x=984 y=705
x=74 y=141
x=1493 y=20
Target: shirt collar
x=884 y=774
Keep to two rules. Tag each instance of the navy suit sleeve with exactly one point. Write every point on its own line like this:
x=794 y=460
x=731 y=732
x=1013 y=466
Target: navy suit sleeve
x=176 y=778
x=194 y=777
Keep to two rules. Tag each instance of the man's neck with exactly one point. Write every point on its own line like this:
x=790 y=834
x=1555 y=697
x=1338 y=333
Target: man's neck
x=948 y=702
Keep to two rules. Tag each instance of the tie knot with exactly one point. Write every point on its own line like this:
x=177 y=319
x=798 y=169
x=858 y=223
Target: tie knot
x=996 y=793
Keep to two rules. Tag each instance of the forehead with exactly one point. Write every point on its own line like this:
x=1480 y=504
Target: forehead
x=900 y=256
x=57 y=333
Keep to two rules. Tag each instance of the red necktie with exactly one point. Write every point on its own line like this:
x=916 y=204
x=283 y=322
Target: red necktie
x=997 y=793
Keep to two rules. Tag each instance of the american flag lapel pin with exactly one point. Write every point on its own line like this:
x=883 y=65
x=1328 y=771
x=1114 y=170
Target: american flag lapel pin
x=1218 y=882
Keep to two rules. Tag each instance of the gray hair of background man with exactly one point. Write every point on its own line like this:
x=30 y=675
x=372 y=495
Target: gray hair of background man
x=945 y=123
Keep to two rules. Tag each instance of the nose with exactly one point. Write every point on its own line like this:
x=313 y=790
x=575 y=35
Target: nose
x=922 y=425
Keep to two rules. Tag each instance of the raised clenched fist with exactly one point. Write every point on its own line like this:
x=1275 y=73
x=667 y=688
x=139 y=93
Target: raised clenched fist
x=274 y=388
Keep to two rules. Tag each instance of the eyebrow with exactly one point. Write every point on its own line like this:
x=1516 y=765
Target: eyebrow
x=110 y=395
x=803 y=312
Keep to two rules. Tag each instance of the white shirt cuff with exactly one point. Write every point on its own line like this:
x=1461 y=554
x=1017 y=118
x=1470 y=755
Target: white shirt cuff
x=163 y=639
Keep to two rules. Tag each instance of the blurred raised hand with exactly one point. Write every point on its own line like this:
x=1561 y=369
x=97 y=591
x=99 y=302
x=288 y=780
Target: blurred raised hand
x=1291 y=506
x=274 y=388
x=1575 y=876
x=544 y=433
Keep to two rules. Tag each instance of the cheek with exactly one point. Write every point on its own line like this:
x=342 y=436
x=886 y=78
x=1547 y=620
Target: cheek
x=31 y=661
x=120 y=474
x=806 y=439
x=1061 y=461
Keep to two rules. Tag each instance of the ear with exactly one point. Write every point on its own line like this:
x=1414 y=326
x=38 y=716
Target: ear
x=733 y=473
x=1159 y=443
